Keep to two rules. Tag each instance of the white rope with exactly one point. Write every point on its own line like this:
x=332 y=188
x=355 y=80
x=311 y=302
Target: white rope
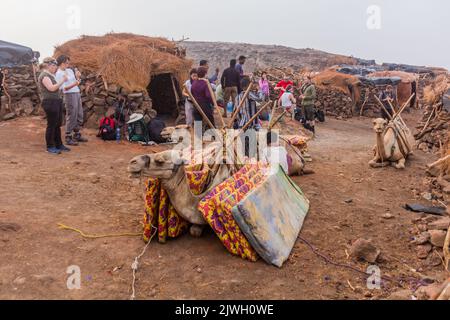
x=135 y=264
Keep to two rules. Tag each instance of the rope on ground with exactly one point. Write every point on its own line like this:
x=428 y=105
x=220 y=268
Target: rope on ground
x=89 y=236
x=416 y=281
x=135 y=264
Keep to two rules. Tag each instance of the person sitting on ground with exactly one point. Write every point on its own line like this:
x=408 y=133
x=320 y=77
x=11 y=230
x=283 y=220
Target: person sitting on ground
x=388 y=98
x=72 y=101
x=249 y=107
x=202 y=95
x=189 y=107
x=231 y=84
x=308 y=103
x=283 y=84
x=287 y=102
x=52 y=105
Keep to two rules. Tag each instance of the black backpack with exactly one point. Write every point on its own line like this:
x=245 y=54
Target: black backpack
x=320 y=115
x=107 y=129
x=154 y=128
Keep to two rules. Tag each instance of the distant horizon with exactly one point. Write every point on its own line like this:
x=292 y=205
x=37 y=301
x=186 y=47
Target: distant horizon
x=409 y=32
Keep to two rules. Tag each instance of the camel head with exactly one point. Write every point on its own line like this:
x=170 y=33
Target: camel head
x=161 y=165
x=379 y=125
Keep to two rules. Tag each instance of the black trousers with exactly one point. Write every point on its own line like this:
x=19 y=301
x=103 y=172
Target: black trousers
x=208 y=109
x=53 y=109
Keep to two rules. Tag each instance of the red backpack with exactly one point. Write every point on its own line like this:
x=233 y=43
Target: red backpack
x=107 y=128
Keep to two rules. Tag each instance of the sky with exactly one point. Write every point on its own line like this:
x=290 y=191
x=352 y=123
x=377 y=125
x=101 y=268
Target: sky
x=401 y=31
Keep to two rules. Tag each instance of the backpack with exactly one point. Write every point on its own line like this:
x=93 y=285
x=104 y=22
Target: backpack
x=107 y=129
x=320 y=115
x=155 y=127
x=138 y=132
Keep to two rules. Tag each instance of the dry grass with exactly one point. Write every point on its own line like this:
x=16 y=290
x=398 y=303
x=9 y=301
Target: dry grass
x=433 y=93
x=405 y=76
x=335 y=80
x=126 y=59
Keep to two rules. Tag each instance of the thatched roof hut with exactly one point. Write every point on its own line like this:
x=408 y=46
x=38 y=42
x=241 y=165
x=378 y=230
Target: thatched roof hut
x=125 y=59
x=147 y=70
x=336 y=80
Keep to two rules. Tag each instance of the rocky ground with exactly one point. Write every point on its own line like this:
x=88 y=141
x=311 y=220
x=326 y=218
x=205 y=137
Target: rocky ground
x=89 y=189
x=262 y=56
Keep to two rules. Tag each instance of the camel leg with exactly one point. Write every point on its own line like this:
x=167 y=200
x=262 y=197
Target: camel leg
x=401 y=164
x=196 y=230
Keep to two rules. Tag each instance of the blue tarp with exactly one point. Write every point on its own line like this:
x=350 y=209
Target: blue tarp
x=13 y=55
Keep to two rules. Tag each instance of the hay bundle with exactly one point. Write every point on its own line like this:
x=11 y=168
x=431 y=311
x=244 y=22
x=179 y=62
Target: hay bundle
x=126 y=60
x=435 y=125
x=122 y=63
x=433 y=93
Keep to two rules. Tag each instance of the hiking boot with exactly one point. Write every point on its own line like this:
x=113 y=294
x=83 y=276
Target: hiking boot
x=63 y=148
x=79 y=138
x=70 y=141
x=53 y=151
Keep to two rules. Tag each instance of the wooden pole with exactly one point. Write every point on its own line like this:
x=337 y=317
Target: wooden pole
x=404 y=107
x=5 y=89
x=278 y=120
x=236 y=112
x=199 y=109
x=382 y=105
x=213 y=97
x=364 y=104
x=256 y=116
x=272 y=116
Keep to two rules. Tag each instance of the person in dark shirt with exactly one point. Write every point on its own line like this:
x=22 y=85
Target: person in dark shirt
x=202 y=95
x=231 y=84
x=204 y=64
x=240 y=66
x=387 y=96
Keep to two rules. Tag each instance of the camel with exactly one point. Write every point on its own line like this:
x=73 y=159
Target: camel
x=394 y=144
x=168 y=166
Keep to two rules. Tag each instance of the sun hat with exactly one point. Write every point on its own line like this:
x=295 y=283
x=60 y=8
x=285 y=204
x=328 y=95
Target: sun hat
x=135 y=117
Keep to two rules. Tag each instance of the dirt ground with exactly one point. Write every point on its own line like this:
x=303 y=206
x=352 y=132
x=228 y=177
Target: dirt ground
x=89 y=189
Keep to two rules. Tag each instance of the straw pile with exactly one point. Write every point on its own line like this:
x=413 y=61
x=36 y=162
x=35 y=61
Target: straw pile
x=121 y=63
x=435 y=125
x=20 y=95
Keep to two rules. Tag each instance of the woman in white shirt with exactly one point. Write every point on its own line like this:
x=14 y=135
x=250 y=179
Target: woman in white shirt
x=287 y=101
x=189 y=107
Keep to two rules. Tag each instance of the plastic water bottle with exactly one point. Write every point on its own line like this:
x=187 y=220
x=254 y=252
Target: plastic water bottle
x=230 y=107
x=118 y=134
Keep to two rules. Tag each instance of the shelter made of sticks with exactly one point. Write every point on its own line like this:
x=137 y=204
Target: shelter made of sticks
x=147 y=71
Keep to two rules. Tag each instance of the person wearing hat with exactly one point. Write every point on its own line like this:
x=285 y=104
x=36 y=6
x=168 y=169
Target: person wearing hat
x=388 y=98
x=72 y=101
x=52 y=105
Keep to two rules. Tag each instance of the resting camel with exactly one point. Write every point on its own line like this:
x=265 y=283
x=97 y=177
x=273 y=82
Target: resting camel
x=394 y=144
x=168 y=166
